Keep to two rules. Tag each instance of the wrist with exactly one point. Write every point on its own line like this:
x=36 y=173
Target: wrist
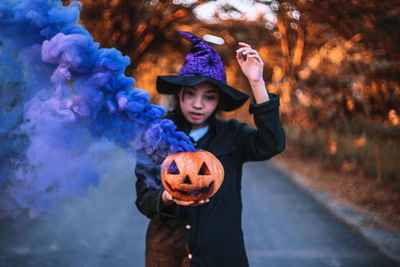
x=257 y=85
x=259 y=91
x=257 y=82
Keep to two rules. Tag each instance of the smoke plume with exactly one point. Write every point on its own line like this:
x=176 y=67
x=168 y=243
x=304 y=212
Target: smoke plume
x=63 y=102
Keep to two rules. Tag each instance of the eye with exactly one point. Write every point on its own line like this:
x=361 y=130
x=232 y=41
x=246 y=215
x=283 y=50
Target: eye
x=173 y=169
x=204 y=170
x=210 y=97
x=189 y=91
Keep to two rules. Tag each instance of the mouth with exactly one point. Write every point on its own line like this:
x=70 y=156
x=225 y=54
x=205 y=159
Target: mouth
x=195 y=115
x=205 y=190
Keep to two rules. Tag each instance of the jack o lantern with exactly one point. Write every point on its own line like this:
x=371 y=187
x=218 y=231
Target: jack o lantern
x=192 y=176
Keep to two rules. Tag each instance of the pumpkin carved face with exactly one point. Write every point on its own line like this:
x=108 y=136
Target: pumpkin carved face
x=192 y=176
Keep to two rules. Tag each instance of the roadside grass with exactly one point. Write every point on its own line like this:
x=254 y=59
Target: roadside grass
x=350 y=177
x=352 y=149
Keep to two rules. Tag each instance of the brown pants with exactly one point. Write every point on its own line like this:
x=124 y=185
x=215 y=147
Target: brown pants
x=167 y=243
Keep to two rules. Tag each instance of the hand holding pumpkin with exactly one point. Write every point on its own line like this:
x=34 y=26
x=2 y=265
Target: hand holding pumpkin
x=191 y=178
x=168 y=198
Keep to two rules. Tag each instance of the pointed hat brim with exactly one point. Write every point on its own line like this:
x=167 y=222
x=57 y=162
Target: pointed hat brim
x=230 y=98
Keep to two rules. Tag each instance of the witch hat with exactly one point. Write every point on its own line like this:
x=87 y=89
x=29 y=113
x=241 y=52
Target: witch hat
x=202 y=64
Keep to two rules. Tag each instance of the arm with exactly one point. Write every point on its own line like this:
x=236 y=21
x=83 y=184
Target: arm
x=252 y=67
x=149 y=189
x=269 y=139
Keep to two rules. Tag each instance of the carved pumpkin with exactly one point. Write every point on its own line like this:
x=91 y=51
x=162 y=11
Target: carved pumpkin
x=192 y=176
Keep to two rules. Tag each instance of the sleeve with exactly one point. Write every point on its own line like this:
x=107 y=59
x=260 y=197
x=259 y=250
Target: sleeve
x=149 y=189
x=269 y=137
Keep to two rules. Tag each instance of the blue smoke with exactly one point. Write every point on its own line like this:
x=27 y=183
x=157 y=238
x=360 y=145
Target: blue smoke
x=61 y=97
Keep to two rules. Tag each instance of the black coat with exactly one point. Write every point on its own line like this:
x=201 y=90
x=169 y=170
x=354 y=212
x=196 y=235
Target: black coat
x=211 y=234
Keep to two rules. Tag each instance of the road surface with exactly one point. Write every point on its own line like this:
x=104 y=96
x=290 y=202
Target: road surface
x=283 y=226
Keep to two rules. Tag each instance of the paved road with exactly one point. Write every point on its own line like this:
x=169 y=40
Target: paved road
x=283 y=227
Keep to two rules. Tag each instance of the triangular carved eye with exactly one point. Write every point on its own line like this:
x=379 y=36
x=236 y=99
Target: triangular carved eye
x=204 y=169
x=187 y=180
x=173 y=169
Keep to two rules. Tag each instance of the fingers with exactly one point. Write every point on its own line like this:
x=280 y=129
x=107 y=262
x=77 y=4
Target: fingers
x=166 y=196
x=201 y=202
x=183 y=203
x=245 y=47
x=239 y=57
x=247 y=52
x=244 y=44
x=256 y=57
x=190 y=203
x=243 y=54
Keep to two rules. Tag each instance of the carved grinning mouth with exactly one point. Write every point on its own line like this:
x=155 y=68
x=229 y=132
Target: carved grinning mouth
x=205 y=189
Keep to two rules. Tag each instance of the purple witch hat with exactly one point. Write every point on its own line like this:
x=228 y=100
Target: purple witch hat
x=202 y=64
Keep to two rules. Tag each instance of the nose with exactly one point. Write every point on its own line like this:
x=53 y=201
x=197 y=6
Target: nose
x=197 y=102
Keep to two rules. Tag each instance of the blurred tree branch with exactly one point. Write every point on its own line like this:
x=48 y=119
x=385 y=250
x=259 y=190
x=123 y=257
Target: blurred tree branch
x=331 y=61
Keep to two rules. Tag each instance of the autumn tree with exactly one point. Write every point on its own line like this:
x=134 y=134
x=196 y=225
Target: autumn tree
x=331 y=61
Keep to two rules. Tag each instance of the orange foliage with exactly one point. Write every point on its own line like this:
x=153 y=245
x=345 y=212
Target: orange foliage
x=325 y=69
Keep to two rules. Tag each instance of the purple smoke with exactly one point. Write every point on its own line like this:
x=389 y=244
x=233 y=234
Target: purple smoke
x=61 y=99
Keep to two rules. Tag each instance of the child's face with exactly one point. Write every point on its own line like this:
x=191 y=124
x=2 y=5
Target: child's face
x=198 y=103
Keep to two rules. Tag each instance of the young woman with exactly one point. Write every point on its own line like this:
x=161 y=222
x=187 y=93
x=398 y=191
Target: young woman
x=208 y=233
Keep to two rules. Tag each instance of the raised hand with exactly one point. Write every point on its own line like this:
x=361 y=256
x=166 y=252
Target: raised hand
x=252 y=67
x=250 y=62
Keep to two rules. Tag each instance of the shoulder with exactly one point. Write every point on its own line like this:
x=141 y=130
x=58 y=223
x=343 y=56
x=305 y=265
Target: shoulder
x=230 y=124
x=231 y=130
x=231 y=127
x=228 y=136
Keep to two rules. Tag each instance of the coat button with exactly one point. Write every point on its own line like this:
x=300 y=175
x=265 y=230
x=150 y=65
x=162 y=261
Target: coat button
x=190 y=256
x=188 y=226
